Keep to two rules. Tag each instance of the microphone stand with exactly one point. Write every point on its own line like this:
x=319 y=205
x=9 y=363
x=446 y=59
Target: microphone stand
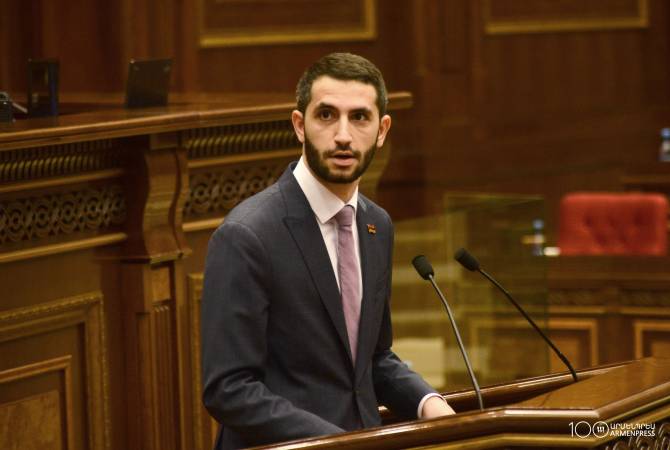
x=460 y=342
x=532 y=322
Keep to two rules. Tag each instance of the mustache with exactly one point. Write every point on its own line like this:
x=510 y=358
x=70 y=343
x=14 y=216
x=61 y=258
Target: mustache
x=334 y=152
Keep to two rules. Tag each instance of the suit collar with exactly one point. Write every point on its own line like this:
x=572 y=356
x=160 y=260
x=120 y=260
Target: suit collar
x=303 y=227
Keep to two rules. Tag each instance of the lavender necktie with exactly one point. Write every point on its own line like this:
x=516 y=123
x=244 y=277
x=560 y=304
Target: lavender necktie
x=347 y=266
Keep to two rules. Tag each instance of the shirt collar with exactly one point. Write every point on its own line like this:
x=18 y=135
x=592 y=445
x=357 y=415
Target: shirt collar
x=324 y=203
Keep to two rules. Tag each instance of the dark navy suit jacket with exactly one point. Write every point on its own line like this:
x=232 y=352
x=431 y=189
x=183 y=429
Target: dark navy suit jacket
x=276 y=359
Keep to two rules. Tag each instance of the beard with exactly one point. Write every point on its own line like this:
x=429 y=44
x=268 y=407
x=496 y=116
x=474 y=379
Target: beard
x=316 y=161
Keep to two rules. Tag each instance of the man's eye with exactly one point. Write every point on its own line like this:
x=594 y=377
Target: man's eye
x=360 y=116
x=325 y=114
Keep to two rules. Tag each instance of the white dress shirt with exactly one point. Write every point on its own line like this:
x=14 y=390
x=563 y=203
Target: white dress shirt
x=325 y=205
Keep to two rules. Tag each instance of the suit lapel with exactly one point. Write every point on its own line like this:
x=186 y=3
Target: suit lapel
x=304 y=229
x=366 y=245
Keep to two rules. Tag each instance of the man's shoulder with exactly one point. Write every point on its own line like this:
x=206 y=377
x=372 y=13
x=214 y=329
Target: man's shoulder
x=255 y=211
x=373 y=209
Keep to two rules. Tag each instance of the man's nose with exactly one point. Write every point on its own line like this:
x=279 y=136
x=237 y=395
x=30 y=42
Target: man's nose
x=343 y=136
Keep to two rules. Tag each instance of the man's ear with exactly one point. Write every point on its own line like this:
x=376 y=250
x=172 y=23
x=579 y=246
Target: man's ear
x=298 y=121
x=384 y=127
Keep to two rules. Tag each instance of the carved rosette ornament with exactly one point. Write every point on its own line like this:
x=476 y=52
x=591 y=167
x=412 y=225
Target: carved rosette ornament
x=61 y=214
x=219 y=192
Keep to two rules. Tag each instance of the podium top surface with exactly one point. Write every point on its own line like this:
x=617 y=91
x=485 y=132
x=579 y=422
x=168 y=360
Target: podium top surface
x=637 y=392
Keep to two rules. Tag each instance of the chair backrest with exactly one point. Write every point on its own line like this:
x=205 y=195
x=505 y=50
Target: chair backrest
x=607 y=223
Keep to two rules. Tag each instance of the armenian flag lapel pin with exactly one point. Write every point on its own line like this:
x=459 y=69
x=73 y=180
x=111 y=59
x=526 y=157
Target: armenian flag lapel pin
x=372 y=229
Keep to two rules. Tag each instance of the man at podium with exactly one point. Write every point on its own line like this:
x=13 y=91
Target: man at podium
x=296 y=329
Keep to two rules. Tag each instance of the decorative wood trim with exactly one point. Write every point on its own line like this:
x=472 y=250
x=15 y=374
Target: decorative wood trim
x=164 y=395
x=60 y=364
x=244 y=158
x=580 y=298
x=217 y=192
x=45 y=250
x=645 y=311
x=236 y=38
x=195 y=281
x=577 y=310
x=200 y=225
x=521 y=26
x=642 y=326
x=645 y=298
x=100 y=175
x=35 y=218
x=85 y=309
x=61 y=160
x=239 y=139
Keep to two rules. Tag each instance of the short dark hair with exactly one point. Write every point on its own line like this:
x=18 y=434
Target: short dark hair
x=345 y=67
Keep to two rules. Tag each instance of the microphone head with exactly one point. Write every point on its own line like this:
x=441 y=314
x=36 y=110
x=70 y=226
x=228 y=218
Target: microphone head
x=466 y=259
x=422 y=265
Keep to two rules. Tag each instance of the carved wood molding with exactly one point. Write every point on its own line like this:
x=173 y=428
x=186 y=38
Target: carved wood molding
x=59 y=160
x=164 y=375
x=200 y=416
x=640 y=298
x=219 y=191
x=87 y=310
x=60 y=214
x=238 y=139
x=575 y=297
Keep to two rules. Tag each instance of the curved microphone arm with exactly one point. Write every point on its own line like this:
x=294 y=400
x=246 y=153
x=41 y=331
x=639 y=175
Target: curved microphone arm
x=460 y=342
x=532 y=322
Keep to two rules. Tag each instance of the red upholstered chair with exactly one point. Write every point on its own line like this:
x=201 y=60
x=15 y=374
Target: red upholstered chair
x=602 y=223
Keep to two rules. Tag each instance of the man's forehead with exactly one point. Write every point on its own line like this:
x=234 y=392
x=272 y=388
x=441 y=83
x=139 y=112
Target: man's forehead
x=352 y=94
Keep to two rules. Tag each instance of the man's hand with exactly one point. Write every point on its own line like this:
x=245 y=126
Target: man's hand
x=436 y=407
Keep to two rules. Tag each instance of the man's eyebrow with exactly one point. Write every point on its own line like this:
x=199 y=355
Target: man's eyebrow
x=324 y=105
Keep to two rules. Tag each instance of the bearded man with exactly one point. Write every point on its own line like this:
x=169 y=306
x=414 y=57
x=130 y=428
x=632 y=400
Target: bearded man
x=296 y=329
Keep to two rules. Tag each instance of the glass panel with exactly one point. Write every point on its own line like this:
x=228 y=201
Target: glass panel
x=505 y=234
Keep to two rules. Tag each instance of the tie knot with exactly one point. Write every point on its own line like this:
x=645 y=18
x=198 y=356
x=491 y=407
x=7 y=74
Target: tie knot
x=345 y=217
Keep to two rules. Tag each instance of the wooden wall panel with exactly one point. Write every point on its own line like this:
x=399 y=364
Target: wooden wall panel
x=652 y=338
x=224 y=23
x=514 y=16
x=57 y=346
x=35 y=422
x=508 y=343
x=578 y=341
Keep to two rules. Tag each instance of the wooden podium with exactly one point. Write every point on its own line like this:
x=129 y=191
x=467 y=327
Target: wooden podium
x=617 y=407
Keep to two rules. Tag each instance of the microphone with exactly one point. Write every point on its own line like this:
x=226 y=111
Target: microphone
x=470 y=262
x=425 y=270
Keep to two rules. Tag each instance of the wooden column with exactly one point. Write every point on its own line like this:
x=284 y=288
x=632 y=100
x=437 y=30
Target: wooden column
x=152 y=299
